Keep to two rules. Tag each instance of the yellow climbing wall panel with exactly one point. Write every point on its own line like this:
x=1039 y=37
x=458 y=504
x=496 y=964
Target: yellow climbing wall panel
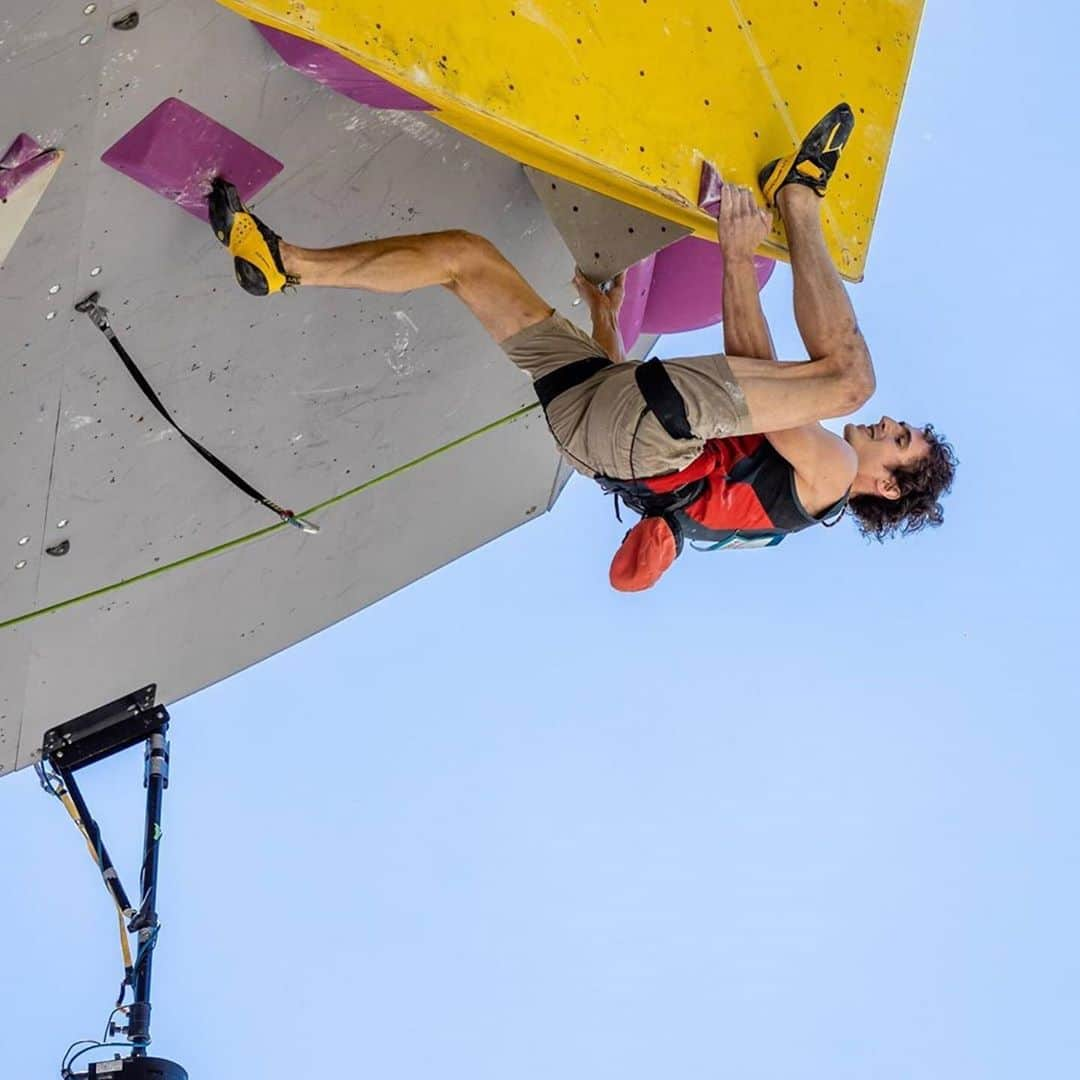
x=629 y=97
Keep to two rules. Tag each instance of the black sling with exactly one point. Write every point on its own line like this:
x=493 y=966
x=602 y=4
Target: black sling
x=548 y=387
x=663 y=399
x=99 y=316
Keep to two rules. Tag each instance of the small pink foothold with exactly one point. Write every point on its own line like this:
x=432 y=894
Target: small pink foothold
x=13 y=178
x=709 y=190
x=20 y=152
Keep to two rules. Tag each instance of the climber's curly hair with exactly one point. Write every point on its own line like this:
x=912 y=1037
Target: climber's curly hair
x=921 y=487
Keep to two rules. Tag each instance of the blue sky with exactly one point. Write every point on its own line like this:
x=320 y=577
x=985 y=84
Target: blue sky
x=807 y=812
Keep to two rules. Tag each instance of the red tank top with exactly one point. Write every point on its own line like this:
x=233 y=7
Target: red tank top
x=749 y=494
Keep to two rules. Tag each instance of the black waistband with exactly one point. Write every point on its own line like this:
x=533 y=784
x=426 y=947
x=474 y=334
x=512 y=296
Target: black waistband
x=548 y=387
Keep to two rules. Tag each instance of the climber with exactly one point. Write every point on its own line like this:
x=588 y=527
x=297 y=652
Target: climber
x=725 y=448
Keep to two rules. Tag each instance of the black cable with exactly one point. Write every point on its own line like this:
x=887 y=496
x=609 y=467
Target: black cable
x=633 y=442
x=78 y=1042
x=65 y=1067
x=108 y=1023
x=50 y=782
x=142 y=954
x=633 y=477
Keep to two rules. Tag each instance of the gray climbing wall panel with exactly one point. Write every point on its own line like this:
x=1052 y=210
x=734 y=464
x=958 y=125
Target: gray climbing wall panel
x=307 y=395
x=604 y=236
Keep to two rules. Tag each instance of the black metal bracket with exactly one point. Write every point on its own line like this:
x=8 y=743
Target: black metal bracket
x=106 y=730
x=87 y=739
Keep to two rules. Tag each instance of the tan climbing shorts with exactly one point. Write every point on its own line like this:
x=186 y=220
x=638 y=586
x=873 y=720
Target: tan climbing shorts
x=598 y=422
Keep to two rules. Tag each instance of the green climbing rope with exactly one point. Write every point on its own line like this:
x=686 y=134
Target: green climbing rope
x=277 y=527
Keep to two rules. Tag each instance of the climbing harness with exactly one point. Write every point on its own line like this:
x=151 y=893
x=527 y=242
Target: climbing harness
x=662 y=398
x=99 y=316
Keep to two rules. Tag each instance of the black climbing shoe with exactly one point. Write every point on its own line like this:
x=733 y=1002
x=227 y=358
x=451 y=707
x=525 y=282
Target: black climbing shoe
x=255 y=247
x=815 y=161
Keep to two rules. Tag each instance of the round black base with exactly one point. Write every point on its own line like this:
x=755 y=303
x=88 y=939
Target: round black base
x=140 y=1068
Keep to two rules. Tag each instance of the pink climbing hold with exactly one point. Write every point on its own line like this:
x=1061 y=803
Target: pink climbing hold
x=176 y=151
x=709 y=190
x=20 y=151
x=23 y=159
x=683 y=288
x=688 y=287
x=335 y=71
x=26 y=170
x=636 y=287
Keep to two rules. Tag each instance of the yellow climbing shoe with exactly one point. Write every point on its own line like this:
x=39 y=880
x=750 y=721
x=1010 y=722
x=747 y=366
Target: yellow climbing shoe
x=815 y=161
x=255 y=247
